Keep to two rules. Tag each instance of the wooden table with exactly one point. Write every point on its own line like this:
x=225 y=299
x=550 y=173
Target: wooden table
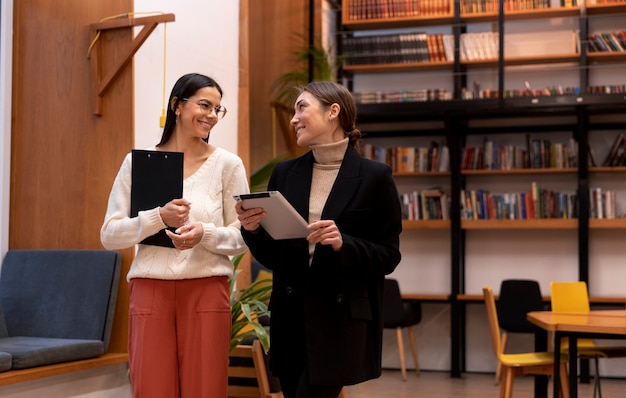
x=595 y=324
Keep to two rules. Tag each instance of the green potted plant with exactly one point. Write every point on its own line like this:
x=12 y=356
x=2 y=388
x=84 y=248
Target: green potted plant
x=324 y=68
x=247 y=307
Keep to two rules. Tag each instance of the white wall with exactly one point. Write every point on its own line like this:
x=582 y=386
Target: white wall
x=6 y=49
x=204 y=39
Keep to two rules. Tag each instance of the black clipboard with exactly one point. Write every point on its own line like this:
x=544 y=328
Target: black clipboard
x=157 y=178
x=282 y=220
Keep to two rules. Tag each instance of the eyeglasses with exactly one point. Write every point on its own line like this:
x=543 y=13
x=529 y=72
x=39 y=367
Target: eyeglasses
x=206 y=107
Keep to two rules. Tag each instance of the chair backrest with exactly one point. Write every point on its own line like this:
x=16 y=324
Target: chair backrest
x=517 y=298
x=569 y=297
x=393 y=310
x=60 y=293
x=492 y=318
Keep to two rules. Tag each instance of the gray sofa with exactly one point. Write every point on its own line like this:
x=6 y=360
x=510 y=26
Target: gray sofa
x=56 y=305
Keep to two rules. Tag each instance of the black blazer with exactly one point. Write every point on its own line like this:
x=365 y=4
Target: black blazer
x=331 y=312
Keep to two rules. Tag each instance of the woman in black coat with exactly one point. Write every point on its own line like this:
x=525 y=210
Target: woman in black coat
x=326 y=304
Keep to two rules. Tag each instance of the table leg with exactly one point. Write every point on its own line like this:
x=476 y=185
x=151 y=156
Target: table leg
x=541 y=382
x=573 y=366
x=556 y=380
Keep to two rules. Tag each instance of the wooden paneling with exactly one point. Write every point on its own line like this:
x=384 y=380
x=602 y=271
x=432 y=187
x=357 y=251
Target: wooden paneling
x=276 y=30
x=64 y=159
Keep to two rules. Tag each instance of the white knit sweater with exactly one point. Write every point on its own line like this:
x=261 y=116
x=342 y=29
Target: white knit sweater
x=210 y=190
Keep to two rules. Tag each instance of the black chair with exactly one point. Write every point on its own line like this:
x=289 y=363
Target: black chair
x=517 y=298
x=401 y=314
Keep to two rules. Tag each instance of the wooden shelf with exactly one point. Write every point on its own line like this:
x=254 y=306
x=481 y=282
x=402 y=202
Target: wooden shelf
x=540 y=13
x=568 y=170
x=608 y=169
x=18 y=376
x=396 y=68
x=429 y=66
x=595 y=9
x=520 y=224
x=423 y=174
x=605 y=57
x=101 y=81
x=542 y=59
x=604 y=223
x=425 y=224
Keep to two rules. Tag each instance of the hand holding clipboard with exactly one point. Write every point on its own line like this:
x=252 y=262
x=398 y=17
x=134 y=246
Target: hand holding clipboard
x=157 y=178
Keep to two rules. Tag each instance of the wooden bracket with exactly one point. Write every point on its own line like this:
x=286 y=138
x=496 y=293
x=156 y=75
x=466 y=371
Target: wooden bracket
x=100 y=84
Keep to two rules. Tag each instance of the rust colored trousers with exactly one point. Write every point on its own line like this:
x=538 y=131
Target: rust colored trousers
x=178 y=337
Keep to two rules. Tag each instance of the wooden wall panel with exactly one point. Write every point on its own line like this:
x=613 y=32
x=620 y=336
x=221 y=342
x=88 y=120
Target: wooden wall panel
x=64 y=158
x=273 y=37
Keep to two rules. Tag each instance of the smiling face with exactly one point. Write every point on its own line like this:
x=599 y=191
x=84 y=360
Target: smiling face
x=314 y=123
x=196 y=115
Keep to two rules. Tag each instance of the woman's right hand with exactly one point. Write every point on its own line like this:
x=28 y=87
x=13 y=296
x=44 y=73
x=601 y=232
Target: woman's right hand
x=175 y=213
x=250 y=219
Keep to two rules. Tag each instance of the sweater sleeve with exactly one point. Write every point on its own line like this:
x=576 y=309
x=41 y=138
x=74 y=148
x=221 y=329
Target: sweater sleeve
x=119 y=230
x=226 y=238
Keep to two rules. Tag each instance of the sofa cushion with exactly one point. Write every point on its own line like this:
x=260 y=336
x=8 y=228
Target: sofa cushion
x=27 y=352
x=5 y=361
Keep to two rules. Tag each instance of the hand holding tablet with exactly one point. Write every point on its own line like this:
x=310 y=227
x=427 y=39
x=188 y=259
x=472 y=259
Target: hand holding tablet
x=282 y=220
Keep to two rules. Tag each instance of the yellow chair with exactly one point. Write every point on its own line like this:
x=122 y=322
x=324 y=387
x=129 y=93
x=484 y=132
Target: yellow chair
x=573 y=297
x=521 y=364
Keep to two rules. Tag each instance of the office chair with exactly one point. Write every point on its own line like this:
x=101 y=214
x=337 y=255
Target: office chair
x=401 y=314
x=517 y=298
x=520 y=364
x=574 y=297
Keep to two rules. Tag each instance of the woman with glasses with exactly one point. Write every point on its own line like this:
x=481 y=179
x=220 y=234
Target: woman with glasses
x=326 y=304
x=179 y=320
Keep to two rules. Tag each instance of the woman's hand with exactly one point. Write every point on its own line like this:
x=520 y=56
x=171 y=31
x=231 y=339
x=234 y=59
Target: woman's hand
x=175 y=213
x=326 y=233
x=250 y=219
x=186 y=236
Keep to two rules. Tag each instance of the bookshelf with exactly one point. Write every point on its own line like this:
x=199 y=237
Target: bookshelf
x=588 y=102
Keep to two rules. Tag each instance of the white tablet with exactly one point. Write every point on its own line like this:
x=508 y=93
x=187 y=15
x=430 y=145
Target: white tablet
x=282 y=221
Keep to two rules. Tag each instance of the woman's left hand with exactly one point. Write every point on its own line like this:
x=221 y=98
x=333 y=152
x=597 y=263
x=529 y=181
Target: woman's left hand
x=187 y=236
x=326 y=233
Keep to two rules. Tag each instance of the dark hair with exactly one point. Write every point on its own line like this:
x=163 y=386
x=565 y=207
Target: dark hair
x=185 y=87
x=329 y=93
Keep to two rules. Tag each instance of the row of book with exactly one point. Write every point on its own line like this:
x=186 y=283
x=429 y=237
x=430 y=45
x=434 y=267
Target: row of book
x=617 y=153
x=480 y=204
x=380 y=97
x=608 y=89
x=418 y=47
x=602 y=204
x=537 y=203
x=607 y=42
x=537 y=154
x=491 y=6
x=410 y=159
x=398 y=48
x=479 y=46
x=377 y=9
x=429 y=204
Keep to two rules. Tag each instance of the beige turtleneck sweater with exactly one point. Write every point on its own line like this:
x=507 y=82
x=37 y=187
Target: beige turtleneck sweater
x=328 y=158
